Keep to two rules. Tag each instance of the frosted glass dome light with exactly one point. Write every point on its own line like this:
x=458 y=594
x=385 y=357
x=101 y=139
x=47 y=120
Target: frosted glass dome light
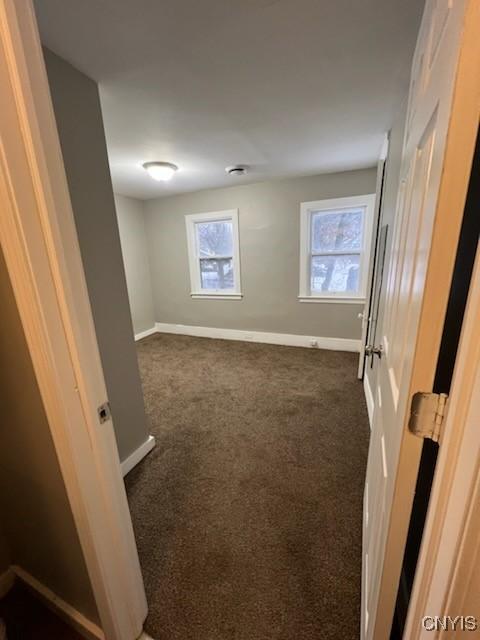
x=160 y=171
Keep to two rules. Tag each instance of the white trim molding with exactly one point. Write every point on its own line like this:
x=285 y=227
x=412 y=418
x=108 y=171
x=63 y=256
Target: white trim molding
x=307 y=209
x=140 y=452
x=145 y=334
x=285 y=339
x=330 y=299
x=7 y=579
x=219 y=296
x=385 y=146
x=62 y=609
x=194 y=257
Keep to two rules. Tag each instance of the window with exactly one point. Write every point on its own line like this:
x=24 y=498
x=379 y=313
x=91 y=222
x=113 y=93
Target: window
x=213 y=252
x=335 y=237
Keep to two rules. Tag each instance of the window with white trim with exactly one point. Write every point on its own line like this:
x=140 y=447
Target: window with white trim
x=335 y=241
x=213 y=253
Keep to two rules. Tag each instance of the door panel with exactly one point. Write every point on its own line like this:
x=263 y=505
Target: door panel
x=410 y=277
x=414 y=312
x=440 y=16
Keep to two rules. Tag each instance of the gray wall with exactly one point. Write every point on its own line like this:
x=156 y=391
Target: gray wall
x=392 y=178
x=269 y=217
x=80 y=126
x=36 y=517
x=133 y=238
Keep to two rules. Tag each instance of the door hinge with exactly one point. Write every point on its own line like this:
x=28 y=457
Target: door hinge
x=427 y=414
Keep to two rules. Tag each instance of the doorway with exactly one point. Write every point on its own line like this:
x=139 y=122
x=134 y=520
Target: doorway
x=67 y=339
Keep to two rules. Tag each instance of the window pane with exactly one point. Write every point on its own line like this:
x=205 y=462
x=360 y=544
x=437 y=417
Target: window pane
x=335 y=274
x=215 y=238
x=337 y=230
x=216 y=274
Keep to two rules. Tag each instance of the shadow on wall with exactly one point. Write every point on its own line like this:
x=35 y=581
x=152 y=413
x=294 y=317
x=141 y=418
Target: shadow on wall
x=37 y=521
x=80 y=126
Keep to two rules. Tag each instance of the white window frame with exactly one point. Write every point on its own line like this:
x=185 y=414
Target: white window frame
x=306 y=211
x=197 y=293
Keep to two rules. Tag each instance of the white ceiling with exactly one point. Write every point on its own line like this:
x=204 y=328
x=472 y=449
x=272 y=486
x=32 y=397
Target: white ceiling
x=287 y=87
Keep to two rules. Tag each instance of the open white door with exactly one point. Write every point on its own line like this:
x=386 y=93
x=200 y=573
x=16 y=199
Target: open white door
x=438 y=148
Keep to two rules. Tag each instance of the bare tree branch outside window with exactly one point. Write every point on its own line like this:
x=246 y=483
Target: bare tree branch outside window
x=337 y=238
x=215 y=248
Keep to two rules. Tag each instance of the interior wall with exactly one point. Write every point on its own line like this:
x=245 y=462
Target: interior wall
x=133 y=238
x=36 y=517
x=5 y=560
x=392 y=181
x=269 y=229
x=80 y=126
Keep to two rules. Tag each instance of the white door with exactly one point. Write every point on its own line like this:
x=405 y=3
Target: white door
x=421 y=262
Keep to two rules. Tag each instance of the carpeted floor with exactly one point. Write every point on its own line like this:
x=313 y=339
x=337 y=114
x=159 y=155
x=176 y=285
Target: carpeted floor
x=248 y=513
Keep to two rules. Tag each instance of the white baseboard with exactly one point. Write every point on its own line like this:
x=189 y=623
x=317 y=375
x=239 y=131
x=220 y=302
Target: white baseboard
x=139 y=453
x=7 y=579
x=146 y=333
x=369 y=398
x=286 y=339
x=63 y=610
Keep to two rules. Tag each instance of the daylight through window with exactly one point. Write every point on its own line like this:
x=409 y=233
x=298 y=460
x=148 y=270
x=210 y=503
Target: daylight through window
x=334 y=248
x=213 y=254
x=215 y=251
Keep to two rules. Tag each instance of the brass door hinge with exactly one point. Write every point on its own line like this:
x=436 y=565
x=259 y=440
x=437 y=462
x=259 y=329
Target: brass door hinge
x=427 y=414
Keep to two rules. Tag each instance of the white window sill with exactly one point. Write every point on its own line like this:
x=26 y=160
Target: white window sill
x=216 y=296
x=331 y=299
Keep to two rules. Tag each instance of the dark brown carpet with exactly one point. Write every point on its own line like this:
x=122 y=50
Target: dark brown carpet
x=248 y=513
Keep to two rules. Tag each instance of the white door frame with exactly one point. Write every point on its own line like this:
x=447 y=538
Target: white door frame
x=449 y=556
x=450 y=553
x=365 y=315
x=40 y=245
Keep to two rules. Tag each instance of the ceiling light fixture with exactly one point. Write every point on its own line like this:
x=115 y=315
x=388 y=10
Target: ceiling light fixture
x=160 y=171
